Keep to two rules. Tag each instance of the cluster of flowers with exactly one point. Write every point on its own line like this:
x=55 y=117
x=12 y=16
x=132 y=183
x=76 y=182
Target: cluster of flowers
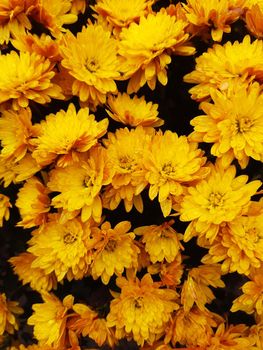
x=71 y=170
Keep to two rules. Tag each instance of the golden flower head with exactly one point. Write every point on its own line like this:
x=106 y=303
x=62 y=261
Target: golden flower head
x=4 y=208
x=142 y=310
x=233 y=123
x=62 y=249
x=16 y=131
x=49 y=320
x=145 y=55
x=33 y=203
x=214 y=68
x=171 y=163
x=220 y=198
x=27 y=76
x=114 y=250
x=37 y=278
x=94 y=66
x=133 y=111
x=8 y=312
x=66 y=134
x=161 y=242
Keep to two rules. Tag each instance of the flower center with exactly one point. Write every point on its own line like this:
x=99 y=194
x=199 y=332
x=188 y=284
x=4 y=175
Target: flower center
x=91 y=65
x=126 y=163
x=252 y=234
x=216 y=199
x=70 y=238
x=88 y=181
x=243 y=124
x=111 y=246
x=138 y=303
x=168 y=168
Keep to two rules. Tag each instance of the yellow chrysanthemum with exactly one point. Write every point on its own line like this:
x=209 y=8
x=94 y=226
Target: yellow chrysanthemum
x=239 y=245
x=66 y=134
x=193 y=328
x=33 y=203
x=126 y=150
x=80 y=185
x=94 y=66
x=27 y=77
x=36 y=277
x=161 y=242
x=114 y=250
x=146 y=56
x=121 y=13
x=62 y=248
x=4 y=208
x=219 y=199
x=254 y=17
x=14 y=18
x=43 y=45
x=214 y=14
x=142 y=310
x=8 y=312
x=214 y=68
x=54 y=14
x=195 y=289
x=133 y=111
x=16 y=130
x=252 y=298
x=172 y=162
x=234 y=124
x=49 y=320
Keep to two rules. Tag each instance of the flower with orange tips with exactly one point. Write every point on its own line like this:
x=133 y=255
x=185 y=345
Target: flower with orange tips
x=33 y=203
x=113 y=250
x=133 y=111
x=240 y=61
x=52 y=313
x=142 y=310
x=254 y=17
x=146 y=56
x=66 y=134
x=94 y=66
x=5 y=205
x=62 y=249
x=37 y=278
x=27 y=76
x=9 y=310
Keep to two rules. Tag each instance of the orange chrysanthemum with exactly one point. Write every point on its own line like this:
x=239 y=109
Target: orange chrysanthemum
x=4 y=208
x=8 y=312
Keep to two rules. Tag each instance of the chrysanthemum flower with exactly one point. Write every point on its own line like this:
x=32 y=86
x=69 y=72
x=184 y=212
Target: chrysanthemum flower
x=14 y=17
x=252 y=298
x=133 y=111
x=172 y=162
x=114 y=250
x=4 y=208
x=239 y=245
x=142 y=310
x=147 y=55
x=16 y=130
x=49 y=320
x=93 y=66
x=8 y=312
x=121 y=13
x=234 y=124
x=54 y=15
x=219 y=199
x=66 y=134
x=214 y=68
x=80 y=185
x=61 y=248
x=195 y=289
x=193 y=328
x=27 y=77
x=161 y=242
x=43 y=45
x=35 y=276
x=126 y=150
x=33 y=203
x=214 y=14
x=254 y=17
x=78 y=6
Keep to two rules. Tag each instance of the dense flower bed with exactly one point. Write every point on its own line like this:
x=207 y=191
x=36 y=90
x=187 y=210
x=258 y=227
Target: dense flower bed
x=131 y=168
